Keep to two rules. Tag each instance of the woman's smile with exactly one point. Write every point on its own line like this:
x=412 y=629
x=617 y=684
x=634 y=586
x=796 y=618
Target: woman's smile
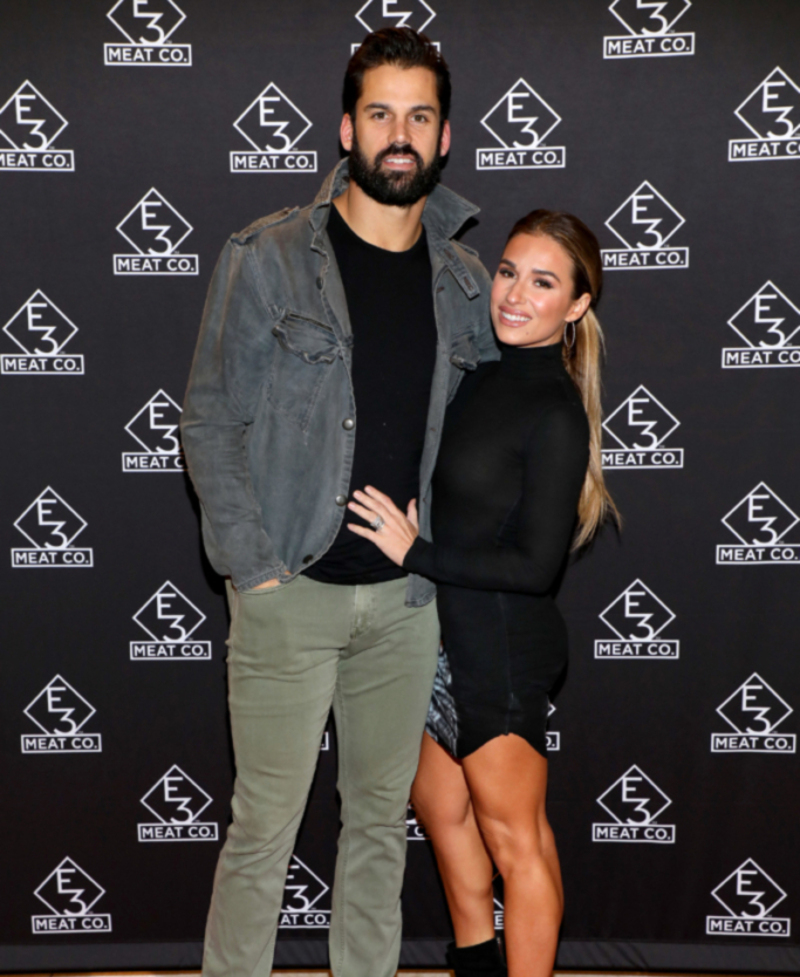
x=511 y=318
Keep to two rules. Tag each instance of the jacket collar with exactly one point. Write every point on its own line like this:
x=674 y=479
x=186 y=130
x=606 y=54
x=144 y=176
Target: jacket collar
x=445 y=213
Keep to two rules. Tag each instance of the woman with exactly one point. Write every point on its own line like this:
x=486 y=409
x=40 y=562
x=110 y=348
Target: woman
x=519 y=465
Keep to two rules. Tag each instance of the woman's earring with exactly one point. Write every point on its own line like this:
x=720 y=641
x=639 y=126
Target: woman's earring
x=569 y=337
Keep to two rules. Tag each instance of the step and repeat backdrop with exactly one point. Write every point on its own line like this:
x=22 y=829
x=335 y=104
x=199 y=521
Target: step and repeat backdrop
x=135 y=136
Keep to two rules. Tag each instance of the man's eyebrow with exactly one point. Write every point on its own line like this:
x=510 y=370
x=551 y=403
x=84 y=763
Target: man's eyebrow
x=388 y=108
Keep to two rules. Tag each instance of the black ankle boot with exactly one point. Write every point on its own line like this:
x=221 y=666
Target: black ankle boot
x=484 y=959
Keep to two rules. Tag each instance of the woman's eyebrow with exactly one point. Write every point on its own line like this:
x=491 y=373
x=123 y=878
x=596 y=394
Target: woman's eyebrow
x=543 y=271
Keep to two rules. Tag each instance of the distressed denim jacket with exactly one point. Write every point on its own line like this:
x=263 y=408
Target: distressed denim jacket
x=270 y=420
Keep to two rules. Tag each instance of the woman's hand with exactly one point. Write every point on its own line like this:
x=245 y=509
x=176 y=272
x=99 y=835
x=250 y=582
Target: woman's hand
x=398 y=532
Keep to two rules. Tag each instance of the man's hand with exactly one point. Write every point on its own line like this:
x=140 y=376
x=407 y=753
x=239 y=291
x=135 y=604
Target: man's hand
x=398 y=532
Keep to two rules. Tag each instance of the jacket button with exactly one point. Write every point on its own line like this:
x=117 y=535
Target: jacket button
x=341 y=500
x=348 y=423
x=309 y=558
x=319 y=284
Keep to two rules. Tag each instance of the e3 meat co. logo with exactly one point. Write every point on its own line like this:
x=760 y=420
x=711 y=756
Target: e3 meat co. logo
x=650 y=29
x=634 y=802
x=30 y=125
x=148 y=25
x=640 y=426
x=499 y=901
x=170 y=619
x=645 y=223
x=754 y=711
x=520 y=122
x=376 y=14
x=156 y=230
x=637 y=617
x=70 y=894
x=155 y=427
x=768 y=322
x=41 y=330
x=273 y=125
x=177 y=801
x=302 y=897
x=60 y=712
x=414 y=830
x=749 y=895
x=772 y=113
x=761 y=521
x=52 y=526
x=553 y=736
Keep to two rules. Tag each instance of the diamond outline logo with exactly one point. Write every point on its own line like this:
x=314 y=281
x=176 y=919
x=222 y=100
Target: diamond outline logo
x=294 y=864
x=769 y=520
x=38 y=122
x=787 y=80
x=667 y=25
x=647 y=426
x=78 y=726
x=654 y=222
x=48 y=330
x=497 y=892
x=761 y=711
x=279 y=126
x=193 y=815
x=100 y=891
x=161 y=228
x=643 y=618
x=401 y=16
x=538 y=139
x=773 y=323
x=153 y=25
x=756 y=869
x=637 y=773
x=173 y=427
x=175 y=618
x=57 y=499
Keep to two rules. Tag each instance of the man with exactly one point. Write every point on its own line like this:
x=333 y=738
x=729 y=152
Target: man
x=332 y=339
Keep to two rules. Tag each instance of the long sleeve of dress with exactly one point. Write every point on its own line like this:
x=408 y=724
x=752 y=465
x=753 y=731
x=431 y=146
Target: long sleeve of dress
x=522 y=548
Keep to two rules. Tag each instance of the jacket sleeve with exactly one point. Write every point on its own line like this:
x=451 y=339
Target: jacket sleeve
x=216 y=414
x=554 y=467
x=487 y=345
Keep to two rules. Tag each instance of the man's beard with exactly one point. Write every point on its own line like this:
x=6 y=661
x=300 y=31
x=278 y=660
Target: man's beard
x=394 y=188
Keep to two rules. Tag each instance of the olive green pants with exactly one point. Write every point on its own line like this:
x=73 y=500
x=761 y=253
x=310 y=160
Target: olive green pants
x=295 y=651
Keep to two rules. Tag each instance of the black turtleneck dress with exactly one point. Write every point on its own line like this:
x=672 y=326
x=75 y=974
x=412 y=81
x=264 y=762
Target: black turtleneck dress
x=512 y=462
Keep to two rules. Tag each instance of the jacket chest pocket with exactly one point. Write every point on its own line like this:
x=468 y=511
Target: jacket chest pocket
x=463 y=356
x=301 y=365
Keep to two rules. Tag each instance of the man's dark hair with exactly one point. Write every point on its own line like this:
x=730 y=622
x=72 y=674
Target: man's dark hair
x=400 y=46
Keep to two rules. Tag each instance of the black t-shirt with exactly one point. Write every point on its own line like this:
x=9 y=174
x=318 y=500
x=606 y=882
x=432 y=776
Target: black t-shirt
x=390 y=303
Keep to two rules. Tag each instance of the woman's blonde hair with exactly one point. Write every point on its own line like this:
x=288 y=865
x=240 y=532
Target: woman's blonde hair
x=582 y=358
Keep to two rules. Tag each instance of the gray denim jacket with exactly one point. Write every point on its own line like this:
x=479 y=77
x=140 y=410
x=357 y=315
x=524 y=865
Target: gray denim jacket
x=267 y=420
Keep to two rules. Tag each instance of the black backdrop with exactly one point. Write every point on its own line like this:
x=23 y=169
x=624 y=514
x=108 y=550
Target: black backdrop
x=682 y=692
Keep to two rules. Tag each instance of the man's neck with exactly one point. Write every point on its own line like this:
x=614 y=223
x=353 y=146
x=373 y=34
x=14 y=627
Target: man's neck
x=390 y=228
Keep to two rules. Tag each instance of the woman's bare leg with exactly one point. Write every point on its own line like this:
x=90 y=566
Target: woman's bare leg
x=441 y=799
x=507 y=781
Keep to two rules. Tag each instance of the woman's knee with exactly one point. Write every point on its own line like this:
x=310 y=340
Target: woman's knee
x=513 y=847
